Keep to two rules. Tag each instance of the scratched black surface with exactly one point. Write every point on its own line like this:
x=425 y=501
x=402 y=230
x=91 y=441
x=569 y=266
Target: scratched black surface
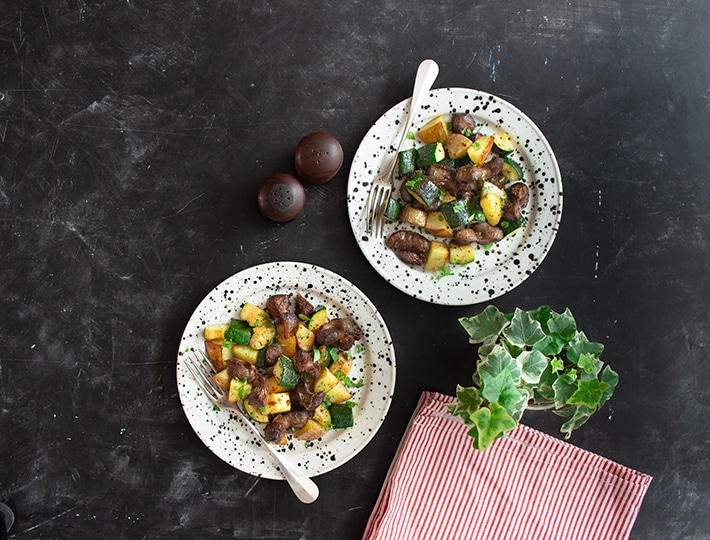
x=133 y=137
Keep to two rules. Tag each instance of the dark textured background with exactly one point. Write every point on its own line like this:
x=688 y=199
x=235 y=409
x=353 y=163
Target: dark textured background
x=133 y=137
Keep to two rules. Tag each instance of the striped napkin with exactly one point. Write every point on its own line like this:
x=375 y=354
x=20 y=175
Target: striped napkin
x=527 y=485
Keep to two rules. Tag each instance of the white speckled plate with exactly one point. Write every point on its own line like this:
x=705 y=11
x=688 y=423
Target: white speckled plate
x=509 y=262
x=223 y=431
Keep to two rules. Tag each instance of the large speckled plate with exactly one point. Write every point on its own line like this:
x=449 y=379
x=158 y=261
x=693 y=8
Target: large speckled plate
x=224 y=432
x=509 y=262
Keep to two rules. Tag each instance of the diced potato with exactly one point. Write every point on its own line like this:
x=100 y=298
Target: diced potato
x=215 y=332
x=339 y=393
x=305 y=338
x=318 y=319
x=415 y=216
x=462 y=254
x=217 y=354
x=261 y=336
x=280 y=402
x=254 y=315
x=288 y=343
x=273 y=386
x=282 y=441
x=325 y=381
x=238 y=390
x=457 y=145
x=342 y=365
x=479 y=150
x=245 y=352
x=437 y=225
x=222 y=378
x=257 y=414
x=492 y=201
x=322 y=416
x=311 y=431
x=436 y=129
x=437 y=257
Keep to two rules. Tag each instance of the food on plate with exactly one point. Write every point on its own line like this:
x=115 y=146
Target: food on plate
x=318 y=157
x=288 y=363
x=461 y=188
x=281 y=197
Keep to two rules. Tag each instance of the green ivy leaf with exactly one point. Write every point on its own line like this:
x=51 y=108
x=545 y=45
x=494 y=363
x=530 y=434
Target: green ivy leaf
x=581 y=345
x=532 y=364
x=580 y=416
x=498 y=360
x=564 y=387
x=468 y=400
x=563 y=325
x=487 y=324
x=541 y=315
x=557 y=364
x=523 y=330
x=610 y=377
x=490 y=423
x=589 y=363
x=549 y=346
x=500 y=388
x=589 y=393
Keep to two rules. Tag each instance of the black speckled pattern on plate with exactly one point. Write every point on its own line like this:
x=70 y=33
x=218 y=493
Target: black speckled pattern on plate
x=509 y=262
x=223 y=431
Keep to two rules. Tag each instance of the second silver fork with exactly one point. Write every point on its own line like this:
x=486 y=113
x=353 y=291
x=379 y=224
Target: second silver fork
x=201 y=370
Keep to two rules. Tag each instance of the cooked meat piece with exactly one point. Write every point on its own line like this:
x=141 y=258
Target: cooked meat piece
x=463 y=123
x=471 y=177
x=478 y=233
x=408 y=241
x=277 y=306
x=308 y=400
x=304 y=364
x=409 y=257
x=244 y=370
x=303 y=306
x=443 y=176
x=342 y=333
x=518 y=196
x=282 y=424
x=290 y=323
x=272 y=354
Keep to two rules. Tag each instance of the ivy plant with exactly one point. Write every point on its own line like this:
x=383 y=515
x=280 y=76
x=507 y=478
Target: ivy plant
x=535 y=358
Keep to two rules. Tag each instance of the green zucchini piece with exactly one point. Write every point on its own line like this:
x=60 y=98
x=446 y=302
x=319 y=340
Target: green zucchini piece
x=341 y=415
x=503 y=144
x=238 y=332
x=456 y=213
x=393 y=209
x=512 y=171
x=286 y=373
x=407 y=161
x=423 y=189
x=510 y=227
x=261 y=359
x=430 y=154
x=475 y=212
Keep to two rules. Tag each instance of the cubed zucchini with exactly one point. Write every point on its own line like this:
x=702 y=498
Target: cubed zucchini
x=512 y=171
x=437 y=256
x=407 y=161
x=475 y=212
x=341 y=415
x=285 y=373
x=436 y=129
x=437 y=225
x=258 y=414
x=479 y=150
x=423 y=189
x=430 y=154
x=456 y=213
x=393 y=209
x=318 y=319
x=238 y=331
x=462 y=254
x=503 y=144
x=511 y=227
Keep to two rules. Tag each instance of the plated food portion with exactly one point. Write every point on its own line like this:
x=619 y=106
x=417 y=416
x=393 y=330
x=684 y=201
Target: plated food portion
x=287 y=364
x=461 y=188
x=365 y=370
x=497 y=266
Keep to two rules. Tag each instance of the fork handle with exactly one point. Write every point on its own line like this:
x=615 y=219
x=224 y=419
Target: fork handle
x=427 y=72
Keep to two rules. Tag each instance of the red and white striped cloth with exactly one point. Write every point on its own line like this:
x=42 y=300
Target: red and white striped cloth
x=526 y=486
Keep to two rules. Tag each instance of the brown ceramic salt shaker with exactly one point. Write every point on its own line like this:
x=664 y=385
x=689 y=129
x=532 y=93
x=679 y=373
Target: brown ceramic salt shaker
x=281 y=197
x=318 y=157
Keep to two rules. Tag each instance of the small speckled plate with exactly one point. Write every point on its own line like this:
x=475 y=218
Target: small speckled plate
x=224 y=431
x=509 y=262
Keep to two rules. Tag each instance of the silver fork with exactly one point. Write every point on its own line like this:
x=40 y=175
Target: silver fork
x=201 y=370
x=383 y=185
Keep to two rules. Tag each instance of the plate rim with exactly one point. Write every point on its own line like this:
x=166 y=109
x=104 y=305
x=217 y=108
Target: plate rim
x=365 y=435
x=355 y=219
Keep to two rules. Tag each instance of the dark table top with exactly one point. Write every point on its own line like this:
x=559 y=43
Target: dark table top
x=133 y=138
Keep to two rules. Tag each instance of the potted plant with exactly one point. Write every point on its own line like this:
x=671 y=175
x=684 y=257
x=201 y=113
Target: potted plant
x=530 y=359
